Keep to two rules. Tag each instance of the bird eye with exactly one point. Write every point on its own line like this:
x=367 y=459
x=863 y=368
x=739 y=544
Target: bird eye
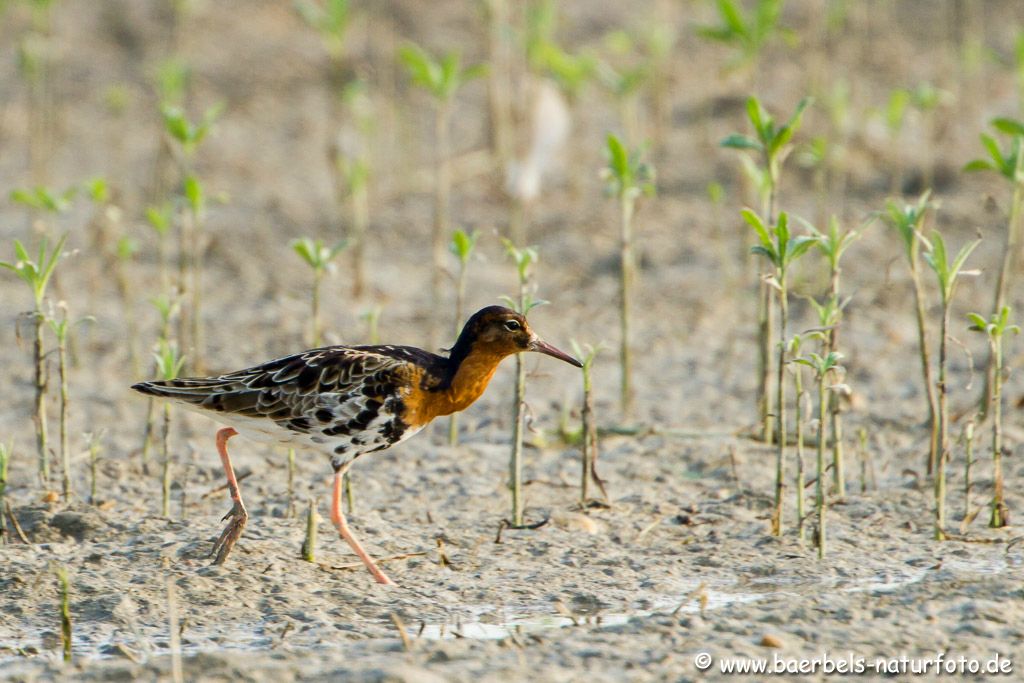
x=513 y=325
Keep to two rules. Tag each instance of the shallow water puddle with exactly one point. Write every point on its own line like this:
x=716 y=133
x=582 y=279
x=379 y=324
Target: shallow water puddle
x=687 y=601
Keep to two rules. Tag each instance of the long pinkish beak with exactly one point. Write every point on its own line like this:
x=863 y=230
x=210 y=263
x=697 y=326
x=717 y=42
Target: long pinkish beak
x=541 y=346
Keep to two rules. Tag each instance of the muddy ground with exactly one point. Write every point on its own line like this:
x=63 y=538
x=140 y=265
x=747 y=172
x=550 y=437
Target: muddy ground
x=682 y=561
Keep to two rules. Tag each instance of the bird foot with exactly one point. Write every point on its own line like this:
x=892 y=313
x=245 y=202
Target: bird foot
x=238 y=516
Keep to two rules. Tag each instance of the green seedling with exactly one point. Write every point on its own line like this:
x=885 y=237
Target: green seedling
x=188 y=135
x=947 y=274
x=908 y=221
x=771 y=144
x=330 y=19
x=462 y=245
x=44 y=199
x=351 y=166
x=168 y=309
x=1010 y=165
x=36 y=274
x=441 y=77
x=967 y=439
x=748 y=34
x=995 y=329
x=65 y=610
x=588 y=443
x=782 y=250
x=61 y=327
x=168 y=364
x=626 y=79
x=94 y=442
x=524 y=258
x=317 y=256
x=798 y=387
x=309 y=544
x=823 y=367
x=832 y=245
x=628 y=177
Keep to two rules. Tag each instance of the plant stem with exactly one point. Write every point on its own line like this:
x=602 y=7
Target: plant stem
x=94 y=454
x=147 y=433
x=309 y=545
x=943 y=454
x=625 y=295
x=925 y=352
x=40 y=396
x=350 y=496
x=460 y=303
x=1006 y=271
x=315 y=304
x=998 y=517
x=819 y=492
x=969 y=457
x=780 y=406
x=442 y=195
x=589 y=442
x=516 y=463
x=838 y=468
x=360 y=223
x=65 y=451
x=165 y=506
x=65 y=611
x=798 y=385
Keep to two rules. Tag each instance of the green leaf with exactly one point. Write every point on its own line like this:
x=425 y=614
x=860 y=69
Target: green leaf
x=618 y=158
x=978 y=165
x=738 y=141
x=1008 y=126
x=193 y=190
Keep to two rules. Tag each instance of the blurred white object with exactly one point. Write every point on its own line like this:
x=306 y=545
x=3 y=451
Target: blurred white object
x=549 y=126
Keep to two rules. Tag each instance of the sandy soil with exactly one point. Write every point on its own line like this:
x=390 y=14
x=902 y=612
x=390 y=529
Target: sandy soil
x=682 y=561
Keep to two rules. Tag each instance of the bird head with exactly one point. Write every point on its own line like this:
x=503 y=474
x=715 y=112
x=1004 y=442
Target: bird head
x=500 y=331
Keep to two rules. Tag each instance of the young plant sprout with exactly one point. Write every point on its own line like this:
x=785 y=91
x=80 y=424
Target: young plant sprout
x=331 y=19
x=60 y=331
x=625 y=82
x=351 y=166
x=94 y=443
x=524 y=258
x=462 y=246
x=1010 y=165
x=36 y=274
x=823 y=367
x=588 y=443
x=771 y=143
x=907 y=221
x=832 y=246
x=441 y=78
x=160 y=218
x=995 y=329
x=748 y=34
x=627 y=177
x=189 y=135
x=782 y=250
x=168 y=365
x=168 y=308
x=798 y=388
x=65 y=610
x=317 y=256
x=44 y=199
x=947 y=274
x=309 y=544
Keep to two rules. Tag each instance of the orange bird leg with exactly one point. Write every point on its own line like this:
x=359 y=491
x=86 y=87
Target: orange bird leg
x=237 y=514
x=338 y=517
